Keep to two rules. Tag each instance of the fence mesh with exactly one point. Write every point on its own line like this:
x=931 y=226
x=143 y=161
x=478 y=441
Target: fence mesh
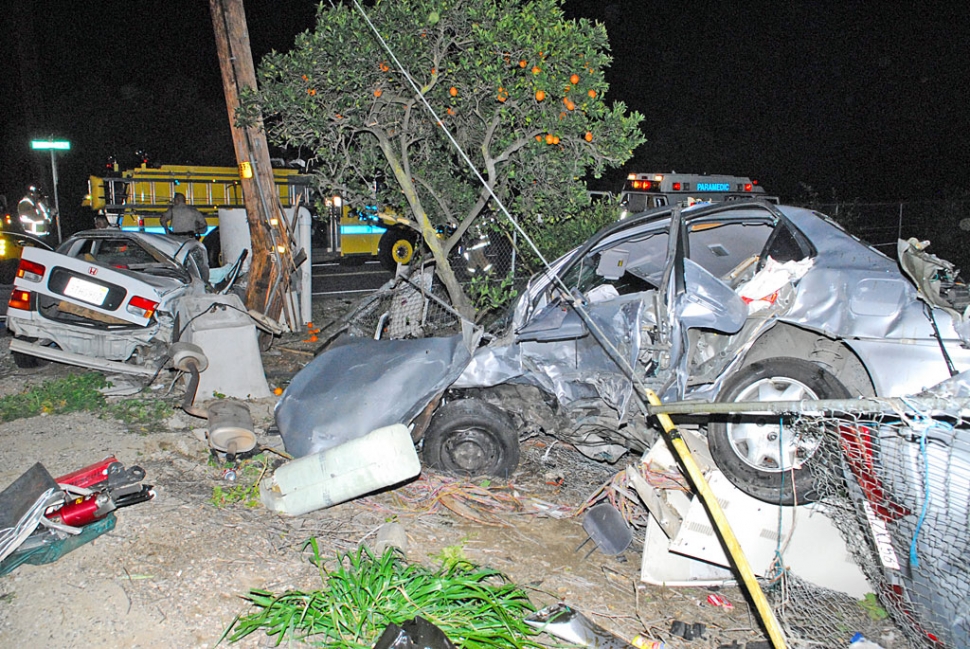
x=897 y=486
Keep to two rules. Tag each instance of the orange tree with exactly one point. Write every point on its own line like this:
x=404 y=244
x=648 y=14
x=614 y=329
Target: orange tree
x=519 y=88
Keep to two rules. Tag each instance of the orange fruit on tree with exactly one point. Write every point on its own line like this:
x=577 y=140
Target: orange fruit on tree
x=536 y=69
x=540 y=95
x=378 y=92
x=523 y=63
x=305 y=78
x=453 y=91
x=550 y=138
x=588 y=137
x=555 y=139
x=574 y=79
x=277 y=391
x=311 y=91
x=451 y=111
x=570 y=105
x=591 y=93
x=538 y=138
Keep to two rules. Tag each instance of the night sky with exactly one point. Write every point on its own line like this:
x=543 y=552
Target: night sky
x=865 y=100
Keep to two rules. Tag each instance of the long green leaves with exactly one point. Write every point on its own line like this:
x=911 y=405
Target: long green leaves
x=477 y=608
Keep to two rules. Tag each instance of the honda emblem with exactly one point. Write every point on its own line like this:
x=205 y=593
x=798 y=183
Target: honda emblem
x=92 y=270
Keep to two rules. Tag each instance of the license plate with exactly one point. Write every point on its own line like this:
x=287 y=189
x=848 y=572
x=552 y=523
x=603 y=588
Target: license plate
x=86 y=291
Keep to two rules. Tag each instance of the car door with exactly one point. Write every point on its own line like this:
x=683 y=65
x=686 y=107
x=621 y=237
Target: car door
x=87 y=285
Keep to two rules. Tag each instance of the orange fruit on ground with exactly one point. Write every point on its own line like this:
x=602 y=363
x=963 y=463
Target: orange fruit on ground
x=540 y=95
x=523 y=63
x=588 y=137
x=277 y=391
x=378 y=92
x=550 y=138
x=574 y=79
x=591 y=93
x=453 y=91
x=536 y=69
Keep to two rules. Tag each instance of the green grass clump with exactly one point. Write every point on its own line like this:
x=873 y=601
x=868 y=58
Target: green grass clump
x=140 y=415
x=477 y=608
x=57 y=396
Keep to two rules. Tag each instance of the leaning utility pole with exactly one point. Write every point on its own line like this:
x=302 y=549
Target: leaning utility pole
x=272 y=260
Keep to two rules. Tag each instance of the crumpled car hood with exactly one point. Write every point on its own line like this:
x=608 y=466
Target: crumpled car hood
x=360 y=385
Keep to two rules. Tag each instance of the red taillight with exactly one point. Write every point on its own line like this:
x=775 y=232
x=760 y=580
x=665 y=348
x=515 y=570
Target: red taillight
x=30 y=270
x=142 y=307
x=676 y=187
x=20 y=299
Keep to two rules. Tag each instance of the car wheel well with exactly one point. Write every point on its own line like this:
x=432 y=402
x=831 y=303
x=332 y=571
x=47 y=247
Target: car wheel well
x=832 y=355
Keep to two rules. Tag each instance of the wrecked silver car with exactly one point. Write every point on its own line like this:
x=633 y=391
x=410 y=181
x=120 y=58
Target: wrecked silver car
x=734 y=301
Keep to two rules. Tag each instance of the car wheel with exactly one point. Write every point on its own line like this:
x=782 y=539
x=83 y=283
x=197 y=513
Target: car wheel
x=470 y=437
x=26 y=361
x=396 y=247
x=763 y=456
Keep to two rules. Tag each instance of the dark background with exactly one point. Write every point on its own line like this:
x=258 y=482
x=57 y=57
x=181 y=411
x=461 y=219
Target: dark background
x=865 y=100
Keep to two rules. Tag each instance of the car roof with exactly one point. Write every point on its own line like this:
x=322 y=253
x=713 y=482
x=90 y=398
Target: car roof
x=168 y=245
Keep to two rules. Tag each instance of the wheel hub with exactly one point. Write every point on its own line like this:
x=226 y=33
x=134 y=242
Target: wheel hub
x=471 y=451
x=769 y=444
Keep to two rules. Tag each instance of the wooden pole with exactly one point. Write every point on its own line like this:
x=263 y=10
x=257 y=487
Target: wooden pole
x=271 y=257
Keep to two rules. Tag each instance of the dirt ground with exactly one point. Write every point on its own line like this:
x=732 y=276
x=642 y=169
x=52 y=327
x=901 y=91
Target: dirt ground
x=172 y=572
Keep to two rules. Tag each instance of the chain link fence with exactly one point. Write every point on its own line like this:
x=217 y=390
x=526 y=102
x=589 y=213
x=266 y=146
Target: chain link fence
x=897 y=486
x=945 y=223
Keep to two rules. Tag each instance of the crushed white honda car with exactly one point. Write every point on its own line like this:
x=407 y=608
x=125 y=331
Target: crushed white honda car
x=104 y=295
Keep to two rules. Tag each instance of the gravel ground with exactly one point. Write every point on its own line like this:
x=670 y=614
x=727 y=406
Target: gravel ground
x=172 y=572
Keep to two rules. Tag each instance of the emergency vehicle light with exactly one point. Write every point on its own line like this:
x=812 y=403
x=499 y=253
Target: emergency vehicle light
x=30 y=270
x=142 y=307
x=20 y=299
x=748 y=187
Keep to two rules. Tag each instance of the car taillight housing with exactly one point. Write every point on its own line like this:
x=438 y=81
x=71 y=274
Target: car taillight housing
x=20 y=299
x=142 y=307
x=30 y=270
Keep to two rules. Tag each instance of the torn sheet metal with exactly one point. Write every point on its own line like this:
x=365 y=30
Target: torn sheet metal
x=565 y=623
x=360 y=385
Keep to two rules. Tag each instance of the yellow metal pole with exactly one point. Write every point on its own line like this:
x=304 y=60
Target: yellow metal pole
x=721 y=523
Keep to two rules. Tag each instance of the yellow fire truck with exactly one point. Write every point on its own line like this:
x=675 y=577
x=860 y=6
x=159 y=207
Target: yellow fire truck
x=136 y=198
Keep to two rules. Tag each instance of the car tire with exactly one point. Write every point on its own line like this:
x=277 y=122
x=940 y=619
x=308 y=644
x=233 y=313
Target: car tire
x=472 y=438
x=746 y=448
x=26 y=361
x=396 y=247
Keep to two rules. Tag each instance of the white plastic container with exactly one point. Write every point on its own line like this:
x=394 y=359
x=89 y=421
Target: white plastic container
x=379 y=459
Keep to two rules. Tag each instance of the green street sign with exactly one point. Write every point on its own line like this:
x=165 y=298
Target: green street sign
x=50 y=145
